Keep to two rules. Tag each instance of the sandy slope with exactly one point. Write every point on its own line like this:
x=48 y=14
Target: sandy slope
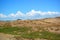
x=48 y=24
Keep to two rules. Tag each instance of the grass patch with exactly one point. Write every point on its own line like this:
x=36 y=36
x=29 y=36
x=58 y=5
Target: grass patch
x=23 y=32
x=14 y=30
x=44 y=35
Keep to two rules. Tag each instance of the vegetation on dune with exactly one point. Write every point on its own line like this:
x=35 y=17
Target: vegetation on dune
x=13 y=30
x=44 y=35
x=27 y=32
x=48 y=29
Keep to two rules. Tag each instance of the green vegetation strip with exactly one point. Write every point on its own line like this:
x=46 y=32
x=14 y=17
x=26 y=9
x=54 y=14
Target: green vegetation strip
x=23 y=32
x=44 y=35
x=14 y=30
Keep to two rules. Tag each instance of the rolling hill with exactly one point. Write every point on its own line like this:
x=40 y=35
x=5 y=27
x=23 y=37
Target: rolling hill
x=29 y=29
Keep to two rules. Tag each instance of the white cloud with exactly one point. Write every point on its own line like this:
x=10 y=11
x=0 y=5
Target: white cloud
x=51 y=13
x=12 y=15
x=2 y=16
x=19 y=13
x=31 y=14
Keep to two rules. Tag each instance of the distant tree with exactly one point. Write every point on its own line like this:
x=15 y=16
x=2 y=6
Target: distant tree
x=19 y=19
x=57 y=17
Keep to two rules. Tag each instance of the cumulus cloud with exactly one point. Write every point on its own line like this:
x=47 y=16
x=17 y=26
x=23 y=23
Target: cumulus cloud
x=12 y=15
x=51 y=13
x=31 y=14
x=41 y=13
x=2 y=16
x=18 y=14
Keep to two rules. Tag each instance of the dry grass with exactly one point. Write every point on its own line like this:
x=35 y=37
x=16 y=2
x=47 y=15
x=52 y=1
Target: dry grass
x=50 y=24
x=50 y=28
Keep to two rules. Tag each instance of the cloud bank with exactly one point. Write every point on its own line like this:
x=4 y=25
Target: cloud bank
x=33 y=14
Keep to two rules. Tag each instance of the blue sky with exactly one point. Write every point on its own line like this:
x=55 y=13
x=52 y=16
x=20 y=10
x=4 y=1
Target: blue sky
x=24 y=9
